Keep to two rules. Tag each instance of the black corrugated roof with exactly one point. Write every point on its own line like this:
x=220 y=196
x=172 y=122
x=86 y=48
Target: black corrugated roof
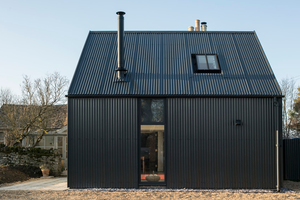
x=160 y=63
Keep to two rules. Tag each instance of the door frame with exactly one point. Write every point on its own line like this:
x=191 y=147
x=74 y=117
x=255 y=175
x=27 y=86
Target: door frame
x=139 y=142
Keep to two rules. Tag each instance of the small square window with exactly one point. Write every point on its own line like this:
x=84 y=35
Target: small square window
x=205 y=63
x=152 y=110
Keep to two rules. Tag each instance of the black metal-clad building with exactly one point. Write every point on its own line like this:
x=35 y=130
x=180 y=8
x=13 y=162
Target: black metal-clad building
x=192 y=110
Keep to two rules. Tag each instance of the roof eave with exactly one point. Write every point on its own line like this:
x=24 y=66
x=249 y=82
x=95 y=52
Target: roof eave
x=170 y=96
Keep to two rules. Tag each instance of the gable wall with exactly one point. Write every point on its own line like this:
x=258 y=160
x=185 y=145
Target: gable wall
x=204 y=148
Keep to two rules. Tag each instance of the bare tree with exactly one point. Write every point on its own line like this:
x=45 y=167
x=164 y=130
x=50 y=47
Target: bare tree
x=36 y=111
x=6 y=97
x=295 y=115
x=9 y=116
x=288 y=89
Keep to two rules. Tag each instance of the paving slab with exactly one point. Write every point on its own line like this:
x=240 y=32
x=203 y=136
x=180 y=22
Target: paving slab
x=42 y=184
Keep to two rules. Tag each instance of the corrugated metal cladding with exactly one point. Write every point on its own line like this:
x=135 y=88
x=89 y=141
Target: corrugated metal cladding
x=159 y=63
x=206 y=150
x=291 y=150
x=102 y=139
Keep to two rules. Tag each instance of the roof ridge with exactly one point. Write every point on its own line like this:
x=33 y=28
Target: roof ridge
x=176 y=32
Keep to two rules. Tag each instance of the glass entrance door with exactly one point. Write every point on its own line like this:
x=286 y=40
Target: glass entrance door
x=152 y=142
x=152 y=153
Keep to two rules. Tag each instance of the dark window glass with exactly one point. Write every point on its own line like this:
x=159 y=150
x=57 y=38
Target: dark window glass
x=201 y=61
x=212 y=62
x=152 y=110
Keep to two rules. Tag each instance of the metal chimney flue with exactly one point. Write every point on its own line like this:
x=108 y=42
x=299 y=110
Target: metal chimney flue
x=121 y=71
x=203 y=26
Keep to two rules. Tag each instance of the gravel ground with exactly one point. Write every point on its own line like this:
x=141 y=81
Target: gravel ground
x=291 y=191
x=142 y=195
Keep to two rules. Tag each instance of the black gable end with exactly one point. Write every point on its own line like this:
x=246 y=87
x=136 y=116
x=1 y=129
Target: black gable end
x=160 y=63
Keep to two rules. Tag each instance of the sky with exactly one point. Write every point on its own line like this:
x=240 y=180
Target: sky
x=42 y=37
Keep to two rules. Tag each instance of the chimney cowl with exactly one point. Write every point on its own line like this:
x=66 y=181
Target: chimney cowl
x=120 y=13
x=191 y=28
x=203 y=26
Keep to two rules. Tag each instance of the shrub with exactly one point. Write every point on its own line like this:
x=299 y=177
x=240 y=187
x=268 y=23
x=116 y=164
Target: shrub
x=34 y=172
x=30 y=151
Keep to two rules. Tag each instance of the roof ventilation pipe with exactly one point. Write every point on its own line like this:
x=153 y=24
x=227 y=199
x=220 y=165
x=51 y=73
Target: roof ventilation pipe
x=121 y=71
x=197 y=25
x=203 y=26
x=191 y=28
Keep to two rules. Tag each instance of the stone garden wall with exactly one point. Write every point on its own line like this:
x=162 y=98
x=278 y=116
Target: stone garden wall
x=53 y=160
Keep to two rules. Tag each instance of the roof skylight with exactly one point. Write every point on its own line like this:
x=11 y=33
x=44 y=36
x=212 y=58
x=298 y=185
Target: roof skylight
x=205 y=63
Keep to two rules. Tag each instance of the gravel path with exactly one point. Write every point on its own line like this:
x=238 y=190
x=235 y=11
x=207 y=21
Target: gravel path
x=142 y=195
x=293 y=192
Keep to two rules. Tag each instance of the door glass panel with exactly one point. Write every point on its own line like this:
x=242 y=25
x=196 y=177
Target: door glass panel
x=152 y=153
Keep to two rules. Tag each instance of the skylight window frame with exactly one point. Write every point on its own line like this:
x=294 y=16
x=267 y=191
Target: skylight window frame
x=195 y=64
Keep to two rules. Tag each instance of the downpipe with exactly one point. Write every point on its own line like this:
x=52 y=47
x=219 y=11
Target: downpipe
x=277 y=147
x=277 y=162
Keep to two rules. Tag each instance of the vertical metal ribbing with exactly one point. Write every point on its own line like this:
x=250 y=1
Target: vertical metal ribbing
x=224 y=155
x=164 y=61
x=205 y=149
x=101 y=153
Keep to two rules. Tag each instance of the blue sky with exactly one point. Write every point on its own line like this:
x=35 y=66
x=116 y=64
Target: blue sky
x=40 y=37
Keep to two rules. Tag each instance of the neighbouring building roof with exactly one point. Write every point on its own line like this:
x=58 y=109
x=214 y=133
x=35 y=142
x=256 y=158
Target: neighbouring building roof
x=160 y=63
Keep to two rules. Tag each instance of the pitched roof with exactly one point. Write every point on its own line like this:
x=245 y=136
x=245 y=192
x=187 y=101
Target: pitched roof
x=160 y=63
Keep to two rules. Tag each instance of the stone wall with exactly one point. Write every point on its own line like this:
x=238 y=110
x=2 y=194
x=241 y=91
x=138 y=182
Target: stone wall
x=53 y=161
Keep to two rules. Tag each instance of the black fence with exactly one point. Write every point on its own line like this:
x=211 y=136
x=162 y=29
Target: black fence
x=291 y=159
